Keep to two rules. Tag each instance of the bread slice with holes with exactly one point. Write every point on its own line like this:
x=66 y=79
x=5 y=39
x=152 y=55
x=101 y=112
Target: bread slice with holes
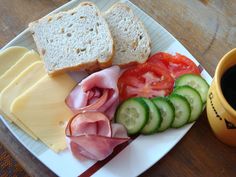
x=73 y=40
x=131 y=40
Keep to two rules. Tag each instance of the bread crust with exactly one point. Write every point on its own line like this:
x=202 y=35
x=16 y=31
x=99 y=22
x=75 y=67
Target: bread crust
x=90 y=67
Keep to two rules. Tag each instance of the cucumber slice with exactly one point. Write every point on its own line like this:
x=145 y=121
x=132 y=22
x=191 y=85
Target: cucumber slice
x=154 y=120
x=133 y=114
x=194 y=100
x=196 y=82
x=182 y=110
x=167 y=112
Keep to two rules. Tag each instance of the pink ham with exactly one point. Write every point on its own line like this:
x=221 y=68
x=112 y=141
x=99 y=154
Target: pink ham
x=97 y=92
x=91 y=135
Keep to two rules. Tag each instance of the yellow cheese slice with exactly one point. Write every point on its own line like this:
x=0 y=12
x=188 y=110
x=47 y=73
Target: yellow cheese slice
x=42 y=108
x=10 y=56
x=17 y=68
x=21 y=83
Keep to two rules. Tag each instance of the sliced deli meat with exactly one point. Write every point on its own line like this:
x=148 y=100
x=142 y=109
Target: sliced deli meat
x=90 y=123
x=118 y=130
x=91 y=135
x=97 y=92
x=94 y=147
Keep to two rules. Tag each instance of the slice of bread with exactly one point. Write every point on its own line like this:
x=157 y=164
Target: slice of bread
x=131 y=40
x=73 y=40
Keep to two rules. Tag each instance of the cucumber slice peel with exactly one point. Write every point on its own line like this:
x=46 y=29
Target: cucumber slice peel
x=154 y=120
x=133 y=114
x=182 y=110
x=196 y=82
x=167 y=112
x=194 y=100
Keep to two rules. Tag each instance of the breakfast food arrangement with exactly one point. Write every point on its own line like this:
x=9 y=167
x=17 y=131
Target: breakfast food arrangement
x=128 y=90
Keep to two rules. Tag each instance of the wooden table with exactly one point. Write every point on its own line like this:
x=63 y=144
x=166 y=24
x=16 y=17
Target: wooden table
x=207 y=28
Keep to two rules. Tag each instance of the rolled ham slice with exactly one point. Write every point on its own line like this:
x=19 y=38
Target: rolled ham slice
x=91 y=135
x=97 y=92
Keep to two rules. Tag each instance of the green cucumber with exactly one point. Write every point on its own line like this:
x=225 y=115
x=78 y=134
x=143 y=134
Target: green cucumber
x=182 y=110
x=154 y=120
x=133 y=114
x=167 y=112
x=196 y=82
x=193 y=98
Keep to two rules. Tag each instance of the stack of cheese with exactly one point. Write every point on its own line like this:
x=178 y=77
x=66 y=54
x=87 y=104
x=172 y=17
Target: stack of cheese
x=31 y=99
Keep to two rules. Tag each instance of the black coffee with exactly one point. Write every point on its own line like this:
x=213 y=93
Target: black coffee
x=228 y=86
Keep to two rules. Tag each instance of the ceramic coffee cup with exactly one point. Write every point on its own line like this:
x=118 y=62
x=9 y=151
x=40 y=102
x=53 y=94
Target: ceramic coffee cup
x=221 y=116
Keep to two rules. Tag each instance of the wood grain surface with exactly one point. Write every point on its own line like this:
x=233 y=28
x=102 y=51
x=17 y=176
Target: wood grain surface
x=207 y=28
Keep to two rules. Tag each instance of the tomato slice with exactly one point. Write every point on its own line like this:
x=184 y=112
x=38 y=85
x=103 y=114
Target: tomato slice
x=145 y=80
x=176 y=64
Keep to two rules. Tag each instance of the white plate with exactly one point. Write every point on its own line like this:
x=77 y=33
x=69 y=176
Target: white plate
x=143 y=151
